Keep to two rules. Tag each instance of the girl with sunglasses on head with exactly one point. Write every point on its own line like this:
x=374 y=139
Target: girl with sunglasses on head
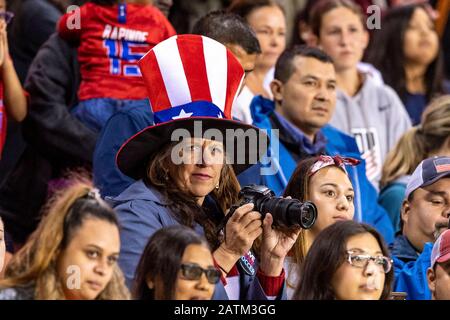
x=347 y=261
x=177 y=264
x=322 y=180
x=12 y=97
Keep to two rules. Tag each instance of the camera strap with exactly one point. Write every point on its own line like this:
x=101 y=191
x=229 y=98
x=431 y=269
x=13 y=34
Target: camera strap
x=223 y=223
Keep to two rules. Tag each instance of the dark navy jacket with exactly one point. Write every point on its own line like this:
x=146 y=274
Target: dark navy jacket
x=119 y=128
x=142 y=211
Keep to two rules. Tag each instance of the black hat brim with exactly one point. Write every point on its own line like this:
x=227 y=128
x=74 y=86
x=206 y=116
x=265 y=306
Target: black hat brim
x=135 y=154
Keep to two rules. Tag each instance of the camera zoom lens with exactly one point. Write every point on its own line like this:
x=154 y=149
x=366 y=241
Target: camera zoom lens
x=289 y=212
x=308 y=215
x=285 y=212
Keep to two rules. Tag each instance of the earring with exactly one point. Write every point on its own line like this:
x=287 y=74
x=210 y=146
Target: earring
x=217 y=186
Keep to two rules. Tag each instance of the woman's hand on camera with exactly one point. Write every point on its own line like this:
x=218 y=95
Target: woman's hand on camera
x=240 y=232
x=275 y=246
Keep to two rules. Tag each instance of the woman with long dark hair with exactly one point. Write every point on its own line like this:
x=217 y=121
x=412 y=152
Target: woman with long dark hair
x=176 y=265
x=406 y=51
x=347 y=261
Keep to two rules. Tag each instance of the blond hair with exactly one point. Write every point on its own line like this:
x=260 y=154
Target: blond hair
x=419 y=142
x=36 y=261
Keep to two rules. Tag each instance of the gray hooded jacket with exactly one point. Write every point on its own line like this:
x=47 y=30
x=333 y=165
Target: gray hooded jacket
x=376 y=118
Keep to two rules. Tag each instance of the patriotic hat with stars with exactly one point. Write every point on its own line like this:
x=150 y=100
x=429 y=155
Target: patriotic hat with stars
x=428 y=172
x=191 y=80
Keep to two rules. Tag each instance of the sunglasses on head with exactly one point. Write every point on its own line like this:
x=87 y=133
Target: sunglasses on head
x=7 y=16
x=192 y=271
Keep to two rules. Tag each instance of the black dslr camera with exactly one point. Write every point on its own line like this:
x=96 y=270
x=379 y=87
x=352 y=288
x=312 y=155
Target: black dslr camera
x=285 y=212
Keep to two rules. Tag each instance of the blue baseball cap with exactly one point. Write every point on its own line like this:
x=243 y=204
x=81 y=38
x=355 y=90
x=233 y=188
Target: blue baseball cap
x=428 y=172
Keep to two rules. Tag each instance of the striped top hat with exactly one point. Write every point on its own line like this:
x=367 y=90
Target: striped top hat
x=192 y=82
x=428 y=172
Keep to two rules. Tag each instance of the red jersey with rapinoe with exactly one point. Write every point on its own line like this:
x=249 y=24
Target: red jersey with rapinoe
x=112 y=39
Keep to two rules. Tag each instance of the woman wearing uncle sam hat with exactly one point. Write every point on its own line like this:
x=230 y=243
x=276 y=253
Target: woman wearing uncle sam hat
x=186 y=166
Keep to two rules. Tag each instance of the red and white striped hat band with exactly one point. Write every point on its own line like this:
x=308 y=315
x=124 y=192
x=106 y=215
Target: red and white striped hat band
x=190 y=68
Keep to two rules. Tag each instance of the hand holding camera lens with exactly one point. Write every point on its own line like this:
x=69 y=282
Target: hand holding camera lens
x=242 y=226
x=285 y=212
x=242 y=229
x=275 y=246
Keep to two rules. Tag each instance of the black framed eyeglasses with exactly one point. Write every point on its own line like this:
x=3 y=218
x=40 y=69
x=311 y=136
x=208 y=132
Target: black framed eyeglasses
x=362 y=260
x=192 y=271
x=7 y=16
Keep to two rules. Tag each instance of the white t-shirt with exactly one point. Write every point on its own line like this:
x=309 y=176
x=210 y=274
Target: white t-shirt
x=292 y=276
x=241 y=107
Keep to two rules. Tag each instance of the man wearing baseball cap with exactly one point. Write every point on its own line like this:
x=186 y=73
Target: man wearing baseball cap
x=425 y=215
x=438 y=275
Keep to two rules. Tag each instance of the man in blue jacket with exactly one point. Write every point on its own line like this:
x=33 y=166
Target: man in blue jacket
x=304 y=91
x=425 y=215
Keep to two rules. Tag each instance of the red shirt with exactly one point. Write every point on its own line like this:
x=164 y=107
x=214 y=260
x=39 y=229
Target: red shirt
x=112 y=40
